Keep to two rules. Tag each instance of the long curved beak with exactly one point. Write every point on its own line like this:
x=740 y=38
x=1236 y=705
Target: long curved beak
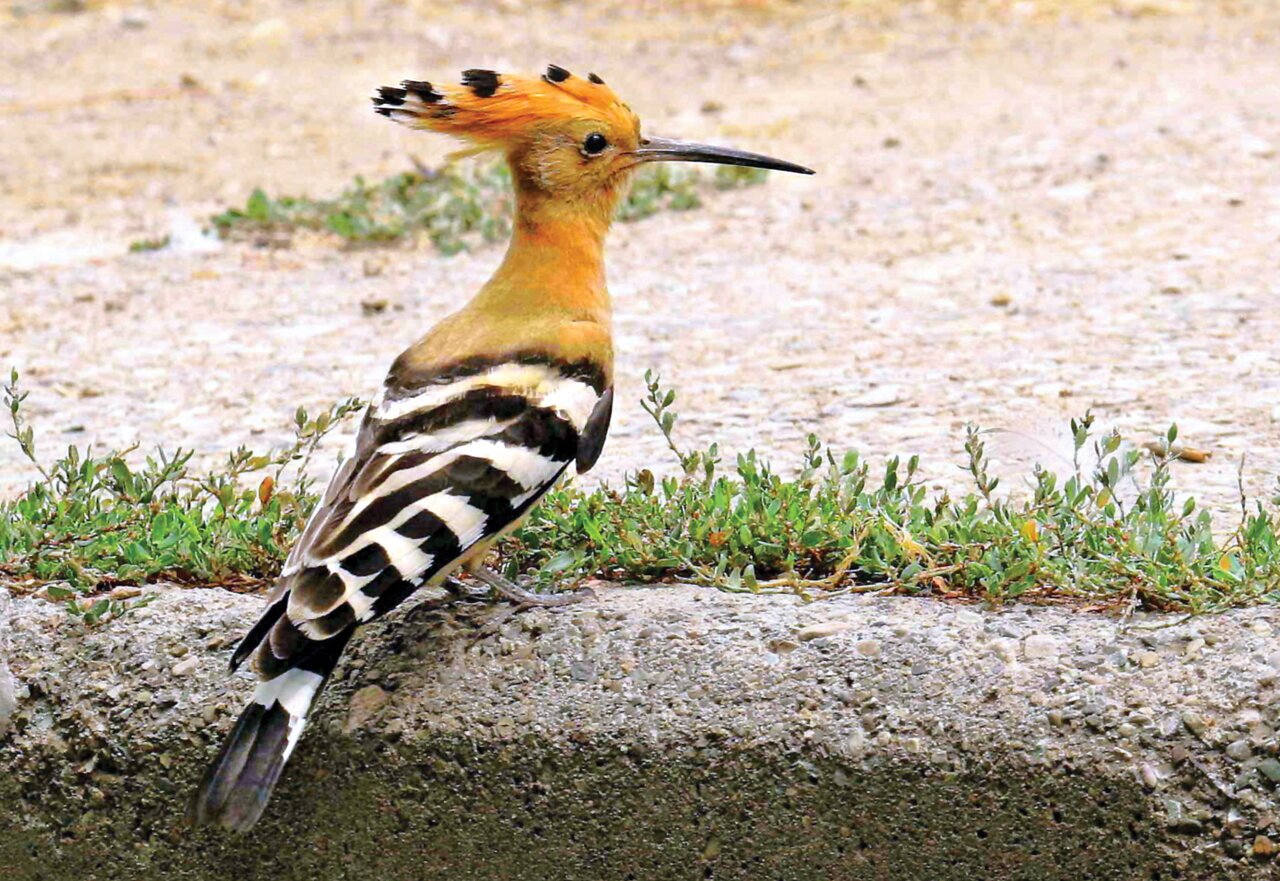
x=668 y=150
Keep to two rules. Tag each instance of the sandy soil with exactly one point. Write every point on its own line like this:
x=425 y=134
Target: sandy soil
x=1017 y=218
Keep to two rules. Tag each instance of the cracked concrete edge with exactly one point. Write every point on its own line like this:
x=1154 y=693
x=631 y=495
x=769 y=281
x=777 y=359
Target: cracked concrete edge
x=663 y=733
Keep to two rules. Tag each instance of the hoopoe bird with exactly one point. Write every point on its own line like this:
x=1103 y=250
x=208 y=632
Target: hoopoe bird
x=475 y=421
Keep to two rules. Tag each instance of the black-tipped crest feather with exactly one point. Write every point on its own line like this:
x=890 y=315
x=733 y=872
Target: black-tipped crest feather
x=484 y=83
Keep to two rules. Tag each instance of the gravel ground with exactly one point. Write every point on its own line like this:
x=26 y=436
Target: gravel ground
x=1015 y=220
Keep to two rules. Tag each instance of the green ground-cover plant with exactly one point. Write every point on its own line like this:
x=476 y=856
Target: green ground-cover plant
x=142 y=246
x=454 y=206
x=1111 y=534
x=1103 y=534
x=94 y=521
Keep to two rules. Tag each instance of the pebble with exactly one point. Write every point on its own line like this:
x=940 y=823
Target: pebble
x=1150 y=775
x=1257 y=147
x=1195 y=723
x=1040 y=645
x=869 y=648
x=1147 y=660
x=186 y=666
x=884 y=396
x=1263 y=846
x=1005 y=649
x=1270 y=768
x=1239 y=750
x=1072 y=193
x=823 y=629
x=364 y=704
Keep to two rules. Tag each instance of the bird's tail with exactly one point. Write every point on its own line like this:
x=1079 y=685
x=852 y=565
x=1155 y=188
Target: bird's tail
x=238 y=783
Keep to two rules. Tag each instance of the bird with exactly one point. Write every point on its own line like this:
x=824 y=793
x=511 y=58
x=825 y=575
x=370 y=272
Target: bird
x=475 y=421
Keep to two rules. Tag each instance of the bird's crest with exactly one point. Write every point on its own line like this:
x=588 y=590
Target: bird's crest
x=499 y=110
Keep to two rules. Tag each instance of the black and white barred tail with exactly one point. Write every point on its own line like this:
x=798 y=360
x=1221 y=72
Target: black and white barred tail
x=238 y=783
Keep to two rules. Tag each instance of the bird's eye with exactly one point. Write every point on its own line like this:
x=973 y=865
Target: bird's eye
x=594 y=144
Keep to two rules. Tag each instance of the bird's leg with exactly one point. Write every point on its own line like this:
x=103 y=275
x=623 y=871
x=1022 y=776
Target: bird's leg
x=522 y=597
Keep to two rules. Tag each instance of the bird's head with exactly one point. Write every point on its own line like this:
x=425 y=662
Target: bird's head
x=568 y=139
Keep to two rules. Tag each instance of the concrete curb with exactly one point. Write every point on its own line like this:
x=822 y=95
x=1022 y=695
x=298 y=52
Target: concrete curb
x=664 y=733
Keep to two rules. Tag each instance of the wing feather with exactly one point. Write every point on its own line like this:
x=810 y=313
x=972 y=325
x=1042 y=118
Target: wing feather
x=439 y=467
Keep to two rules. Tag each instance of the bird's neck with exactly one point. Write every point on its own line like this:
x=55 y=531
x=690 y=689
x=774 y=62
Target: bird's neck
x=555 y=263
x=548 y=297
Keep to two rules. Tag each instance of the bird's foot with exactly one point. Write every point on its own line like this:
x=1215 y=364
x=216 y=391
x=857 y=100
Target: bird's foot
x=521 y=597
x=458 y=588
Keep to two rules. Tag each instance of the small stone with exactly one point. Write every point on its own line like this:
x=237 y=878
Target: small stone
x=1263 y=846
x=1248 y=716
x=883 y=396
x=1005 y=649
x=1072 y=193
x=1150 y=775
x=178 y=650
x=868 y=648
x=1040 y=645
x=1193 y=649
x=919 y=668
x=1195 y=723
x=1057 y=718
x=135 y=20
x=1239 y=750
x=1270 y=768
x=186 y=666
x=1147 y=660
x=1257 y=147
x=1126 y=729
x=823 y=629
x=968 y=618
x=364 y=704
x=1261 y=627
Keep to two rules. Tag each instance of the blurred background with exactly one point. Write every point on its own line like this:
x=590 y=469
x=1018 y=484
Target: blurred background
x=1023 y=210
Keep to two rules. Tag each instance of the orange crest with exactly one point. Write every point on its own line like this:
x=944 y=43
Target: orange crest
x=501 y=110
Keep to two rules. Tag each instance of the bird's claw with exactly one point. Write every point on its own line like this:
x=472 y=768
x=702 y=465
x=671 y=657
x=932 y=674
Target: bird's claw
x=527 y=598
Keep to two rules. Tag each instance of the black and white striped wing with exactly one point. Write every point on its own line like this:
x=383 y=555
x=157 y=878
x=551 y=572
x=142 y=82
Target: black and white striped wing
x=438 y=468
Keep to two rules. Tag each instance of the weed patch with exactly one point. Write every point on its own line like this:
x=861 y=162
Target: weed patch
x=1112 y=534
x=93 y=522
x=453 y=208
